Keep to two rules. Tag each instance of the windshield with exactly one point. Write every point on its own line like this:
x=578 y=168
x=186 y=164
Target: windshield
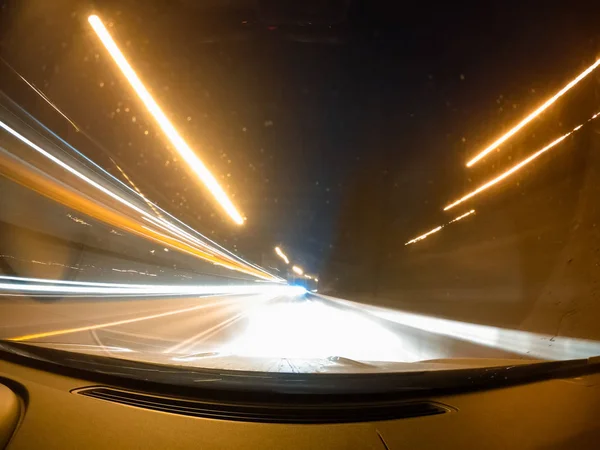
x=300 y=186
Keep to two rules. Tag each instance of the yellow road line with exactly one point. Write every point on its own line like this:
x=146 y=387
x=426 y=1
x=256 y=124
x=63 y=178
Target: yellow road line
x=29 y=337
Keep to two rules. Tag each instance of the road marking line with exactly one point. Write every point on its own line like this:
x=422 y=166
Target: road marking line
x=204 y=333
x=29 y=337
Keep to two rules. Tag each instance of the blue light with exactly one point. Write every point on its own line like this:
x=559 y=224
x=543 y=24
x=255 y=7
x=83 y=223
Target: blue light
x=297 y=290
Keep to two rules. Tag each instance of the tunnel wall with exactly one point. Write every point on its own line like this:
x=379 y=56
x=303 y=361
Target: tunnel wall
x=528 y=259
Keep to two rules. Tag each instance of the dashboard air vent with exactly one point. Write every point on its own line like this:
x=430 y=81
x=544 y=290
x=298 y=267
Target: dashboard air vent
x=269 y=413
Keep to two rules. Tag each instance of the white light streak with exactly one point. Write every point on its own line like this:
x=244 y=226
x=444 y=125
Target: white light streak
x=73 y=171
x=153 y=206
x=114 y=195
x=520 y=342
x=59 y=287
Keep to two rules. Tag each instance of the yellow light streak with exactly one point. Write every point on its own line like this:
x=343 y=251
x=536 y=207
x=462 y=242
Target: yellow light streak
x=509 y=172
x=74 y=199
x=534 y=114
x=298 y=270
x=130 y=181
x=435 y=230
x=282 y=255
x=516 y=167
x=462 y=217
x=423 y=236
x=168 y=129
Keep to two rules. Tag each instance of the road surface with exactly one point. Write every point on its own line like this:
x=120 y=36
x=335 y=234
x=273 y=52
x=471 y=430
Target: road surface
x=188 y=328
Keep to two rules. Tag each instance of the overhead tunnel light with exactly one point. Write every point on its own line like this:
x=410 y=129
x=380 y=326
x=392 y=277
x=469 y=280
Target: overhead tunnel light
x=533 y=114
x=282 y=255
x=188 y=155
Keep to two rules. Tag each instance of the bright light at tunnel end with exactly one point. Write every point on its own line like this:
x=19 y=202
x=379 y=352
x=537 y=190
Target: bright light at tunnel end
x=296 y=291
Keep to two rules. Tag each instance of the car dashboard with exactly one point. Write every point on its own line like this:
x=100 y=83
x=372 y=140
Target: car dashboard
x=57 y=410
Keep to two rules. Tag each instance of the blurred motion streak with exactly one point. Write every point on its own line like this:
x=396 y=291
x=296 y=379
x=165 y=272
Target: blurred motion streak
x=15 y=284
x=462 y=216
x=176 y=140
x=184 y=237
x=516 y=167
x=215 y=247
x=282 y=255
x=435 y=230
x=516 y=341
x=23 y=173
x=133 y=185
x=297 y=270
x=423 y=236
x=534 y=114
x=41 y=94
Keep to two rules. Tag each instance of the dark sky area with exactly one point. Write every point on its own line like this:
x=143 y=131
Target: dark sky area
x=339 y=132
